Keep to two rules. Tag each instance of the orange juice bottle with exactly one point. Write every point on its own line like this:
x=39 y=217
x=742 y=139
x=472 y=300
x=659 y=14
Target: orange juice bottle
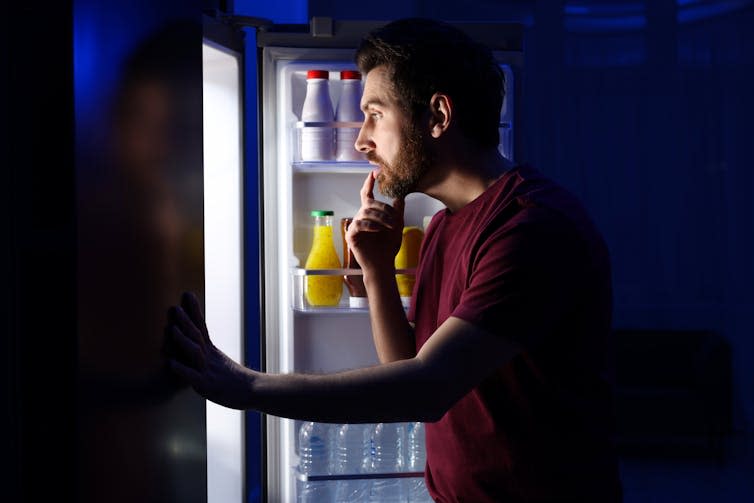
x=408 y=258
x=323 y=290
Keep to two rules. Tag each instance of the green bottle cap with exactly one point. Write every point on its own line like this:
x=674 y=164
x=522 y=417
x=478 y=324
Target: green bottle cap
x=322 y=213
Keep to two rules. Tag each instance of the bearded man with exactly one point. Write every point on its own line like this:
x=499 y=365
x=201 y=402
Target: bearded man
x=503 y=351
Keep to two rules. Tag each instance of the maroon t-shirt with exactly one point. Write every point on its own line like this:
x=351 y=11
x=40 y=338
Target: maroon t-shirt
x=524 y=261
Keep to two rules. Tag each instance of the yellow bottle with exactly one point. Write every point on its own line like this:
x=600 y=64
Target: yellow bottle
x=408 y=258
x=323 y=290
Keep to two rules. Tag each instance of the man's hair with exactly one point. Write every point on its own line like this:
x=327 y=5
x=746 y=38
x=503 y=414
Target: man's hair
x=424 y=57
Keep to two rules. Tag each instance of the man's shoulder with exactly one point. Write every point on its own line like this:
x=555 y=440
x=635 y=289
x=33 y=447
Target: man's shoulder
x=538 y=210
x=538 y=196
x=526 y=183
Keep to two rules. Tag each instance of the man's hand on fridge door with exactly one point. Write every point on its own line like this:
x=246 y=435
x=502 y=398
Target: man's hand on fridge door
x=207 y=369
x=376 y=231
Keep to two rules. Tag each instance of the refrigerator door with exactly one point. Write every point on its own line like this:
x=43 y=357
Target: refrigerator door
x=138 y=117
x=300 y=337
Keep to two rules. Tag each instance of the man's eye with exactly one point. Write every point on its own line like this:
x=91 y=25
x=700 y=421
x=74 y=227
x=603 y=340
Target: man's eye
x=375 y=115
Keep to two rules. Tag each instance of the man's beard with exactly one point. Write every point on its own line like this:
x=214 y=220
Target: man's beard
x=399 y=179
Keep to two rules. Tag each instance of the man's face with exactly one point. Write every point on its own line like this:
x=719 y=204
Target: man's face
x=390 y=139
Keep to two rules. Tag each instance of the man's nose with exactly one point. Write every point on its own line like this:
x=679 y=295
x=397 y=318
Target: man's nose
x=364 y=142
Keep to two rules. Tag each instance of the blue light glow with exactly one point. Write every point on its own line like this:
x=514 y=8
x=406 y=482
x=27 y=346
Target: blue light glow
x=279 y=11
x=695 y=10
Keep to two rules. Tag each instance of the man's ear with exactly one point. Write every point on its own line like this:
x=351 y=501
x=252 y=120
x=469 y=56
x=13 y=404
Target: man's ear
x=441 y=114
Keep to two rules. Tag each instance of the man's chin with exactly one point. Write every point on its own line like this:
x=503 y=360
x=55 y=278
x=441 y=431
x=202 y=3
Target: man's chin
x=384 y=187
x=389 y=190
x=384 y=190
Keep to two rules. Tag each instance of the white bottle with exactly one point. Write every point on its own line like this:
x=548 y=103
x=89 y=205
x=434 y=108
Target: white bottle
x=416 y=459
x=349 y=451
x=314 y=459
x=317 y=143
x=386 y=456
x=349 y=110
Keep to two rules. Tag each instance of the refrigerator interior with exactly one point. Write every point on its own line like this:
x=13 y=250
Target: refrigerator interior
x=300 y=338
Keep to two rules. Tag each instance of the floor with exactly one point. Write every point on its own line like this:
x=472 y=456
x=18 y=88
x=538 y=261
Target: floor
x=688 y=478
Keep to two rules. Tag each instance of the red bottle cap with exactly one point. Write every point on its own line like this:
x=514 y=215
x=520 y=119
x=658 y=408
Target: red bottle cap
x=317 y=74
x=350 y=75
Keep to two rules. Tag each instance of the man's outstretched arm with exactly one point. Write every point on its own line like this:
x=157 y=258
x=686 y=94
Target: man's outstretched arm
x=455 y=359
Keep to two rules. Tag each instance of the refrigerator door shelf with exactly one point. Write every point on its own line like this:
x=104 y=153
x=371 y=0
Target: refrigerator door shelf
x=332 y=167
x=357 y=476
x=300 y=304
x=325 y=132
x=331 y=125
x=298 y=271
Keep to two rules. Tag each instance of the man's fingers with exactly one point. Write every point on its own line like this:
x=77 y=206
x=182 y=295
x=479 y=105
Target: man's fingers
x=189 y=349
x=187 y=373
x=190 y=304
x=382 y=213
x=367 y=189
x=384 y=218
x=367 y=225
x=181 y=320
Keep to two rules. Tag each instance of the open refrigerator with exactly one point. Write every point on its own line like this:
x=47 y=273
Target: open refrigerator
x=267 y=72
x=297 y=336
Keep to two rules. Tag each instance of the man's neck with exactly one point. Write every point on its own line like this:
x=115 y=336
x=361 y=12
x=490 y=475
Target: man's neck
x=462 y=178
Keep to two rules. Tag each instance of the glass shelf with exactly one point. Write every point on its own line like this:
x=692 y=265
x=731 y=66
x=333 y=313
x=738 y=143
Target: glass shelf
x=348 y=167
x=357 y=476
x=353 y=162
x=332 y=125
x=342 y=308
x=300 y=271
x=300 y=305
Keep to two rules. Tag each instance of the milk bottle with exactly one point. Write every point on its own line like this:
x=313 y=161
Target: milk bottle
x=317 y=142
x=349 y=110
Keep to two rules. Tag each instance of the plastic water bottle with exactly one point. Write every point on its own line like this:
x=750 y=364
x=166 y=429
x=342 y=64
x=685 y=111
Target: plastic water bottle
x=314 y=459
x=317 y=142
x=349 y=110
x=416 y=455
x=385 y=455
x=348 y=456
